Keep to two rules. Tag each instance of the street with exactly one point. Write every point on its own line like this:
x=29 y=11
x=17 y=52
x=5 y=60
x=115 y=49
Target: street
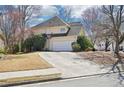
x=90 y=81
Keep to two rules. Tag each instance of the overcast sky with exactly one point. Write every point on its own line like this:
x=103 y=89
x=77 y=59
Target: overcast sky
x=76 y=10
x=50 y=11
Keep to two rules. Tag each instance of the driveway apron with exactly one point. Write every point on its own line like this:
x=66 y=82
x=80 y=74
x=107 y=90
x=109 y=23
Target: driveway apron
x=72 y=65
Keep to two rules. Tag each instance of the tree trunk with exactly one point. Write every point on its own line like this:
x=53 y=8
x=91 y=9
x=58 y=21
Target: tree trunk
x=113 y=46
x=106 y=44
x=117 y=47
x=106 y=48
x=19 y=45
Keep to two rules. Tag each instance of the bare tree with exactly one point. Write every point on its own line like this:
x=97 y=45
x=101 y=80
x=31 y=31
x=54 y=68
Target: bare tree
x=25 y=12
x=89 y=19
x=115 y=14
x=14 y=22
x=8 y=25
x=104 y=32
x=65 y=12
x=1 y=37
x=107 y=39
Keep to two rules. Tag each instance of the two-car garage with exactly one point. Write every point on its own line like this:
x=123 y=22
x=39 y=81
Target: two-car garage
x=61 y=43
x=62 y=46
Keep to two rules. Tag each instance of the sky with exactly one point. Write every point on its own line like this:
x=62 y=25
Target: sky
x=48 y=11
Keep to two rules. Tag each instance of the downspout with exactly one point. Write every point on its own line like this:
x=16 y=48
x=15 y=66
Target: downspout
x=68 y=30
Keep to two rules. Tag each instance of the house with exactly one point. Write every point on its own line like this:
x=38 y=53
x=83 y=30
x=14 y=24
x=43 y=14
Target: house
x=100 y=46
x=60 y=34
x=100 y=43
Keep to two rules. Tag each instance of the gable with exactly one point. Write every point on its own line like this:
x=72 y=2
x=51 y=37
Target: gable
x=75 y=29
x=55 y=21
x=53 y=26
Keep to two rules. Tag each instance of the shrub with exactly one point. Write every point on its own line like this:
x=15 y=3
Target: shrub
x=2 y=51
x=27 y=45
x=38 y=42
x=84 y=42
x=35 y=43
x=89 y=49
x=16 y=48
x=76 y=47
x=94 y=49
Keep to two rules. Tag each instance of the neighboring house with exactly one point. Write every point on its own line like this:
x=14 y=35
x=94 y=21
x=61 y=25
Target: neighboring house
x=60 y=34
x=100 y=44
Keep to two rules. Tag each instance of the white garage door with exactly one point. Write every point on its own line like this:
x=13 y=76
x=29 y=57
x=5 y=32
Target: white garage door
x=62 y=46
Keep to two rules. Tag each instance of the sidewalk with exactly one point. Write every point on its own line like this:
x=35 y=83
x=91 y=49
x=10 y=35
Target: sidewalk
x=16 y=77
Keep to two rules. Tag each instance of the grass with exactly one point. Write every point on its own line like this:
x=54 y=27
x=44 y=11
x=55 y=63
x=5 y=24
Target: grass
x=30 y=61
x=99 y=57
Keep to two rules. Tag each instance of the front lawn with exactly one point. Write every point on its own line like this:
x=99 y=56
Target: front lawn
x=99 y=57
x=22 y=62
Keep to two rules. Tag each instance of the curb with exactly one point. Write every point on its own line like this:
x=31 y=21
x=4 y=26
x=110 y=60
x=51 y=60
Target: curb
x=61 y=79
x=30 y=76
x=27 y=80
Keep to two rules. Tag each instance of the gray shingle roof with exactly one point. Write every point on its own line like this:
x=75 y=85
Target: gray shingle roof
x=54 y=21
x=75 y=28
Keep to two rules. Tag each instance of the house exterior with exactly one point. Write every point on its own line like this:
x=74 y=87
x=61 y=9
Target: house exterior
x=60 y=34
x=101 y=46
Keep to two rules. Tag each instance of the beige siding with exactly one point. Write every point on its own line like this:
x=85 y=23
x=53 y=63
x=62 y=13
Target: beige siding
x=49 y=30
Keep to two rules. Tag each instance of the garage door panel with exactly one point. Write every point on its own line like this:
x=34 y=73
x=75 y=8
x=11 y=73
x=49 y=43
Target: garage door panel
x=62 y=46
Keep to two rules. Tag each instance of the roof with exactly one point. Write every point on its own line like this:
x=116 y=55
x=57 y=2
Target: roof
x=75 y=28
x=54 y=21
x=75 y=24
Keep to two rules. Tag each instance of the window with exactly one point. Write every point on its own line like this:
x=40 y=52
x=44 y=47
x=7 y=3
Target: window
x=62 y=30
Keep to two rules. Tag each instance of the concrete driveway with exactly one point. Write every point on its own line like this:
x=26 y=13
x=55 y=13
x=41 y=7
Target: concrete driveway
x=71 y=65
